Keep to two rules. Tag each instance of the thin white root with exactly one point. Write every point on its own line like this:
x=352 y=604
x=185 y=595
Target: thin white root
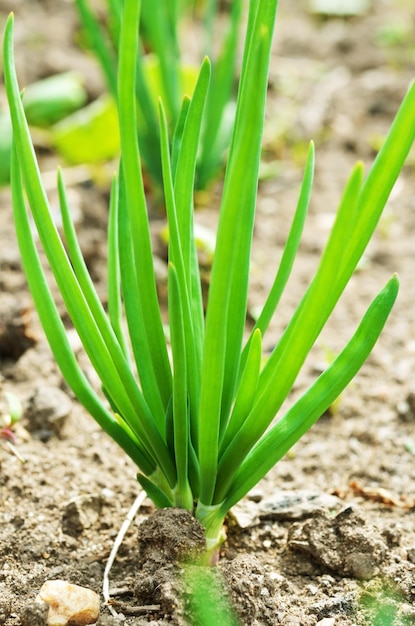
x=15 y=451
x=117 y=543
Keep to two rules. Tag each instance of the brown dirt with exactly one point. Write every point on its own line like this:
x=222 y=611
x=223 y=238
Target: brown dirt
x=328 y=537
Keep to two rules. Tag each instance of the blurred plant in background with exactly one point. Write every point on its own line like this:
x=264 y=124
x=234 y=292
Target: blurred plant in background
x=165 y=69
x=46 y=102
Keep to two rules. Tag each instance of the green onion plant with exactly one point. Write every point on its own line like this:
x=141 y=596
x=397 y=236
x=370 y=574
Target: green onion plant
x=196 y=413
x=163 y=70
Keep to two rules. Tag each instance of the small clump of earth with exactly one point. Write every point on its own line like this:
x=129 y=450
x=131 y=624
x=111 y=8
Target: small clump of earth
x=172 y=575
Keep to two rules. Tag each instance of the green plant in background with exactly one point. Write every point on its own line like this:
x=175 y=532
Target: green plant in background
x=9 y=418
x=46 y=102
x=163 y=72
x=198 y=422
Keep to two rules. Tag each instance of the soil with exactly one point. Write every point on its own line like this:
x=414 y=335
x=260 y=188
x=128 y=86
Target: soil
x=328 y=537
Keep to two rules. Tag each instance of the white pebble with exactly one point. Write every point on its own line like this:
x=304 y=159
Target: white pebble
x=69 y=603
x=279 y=578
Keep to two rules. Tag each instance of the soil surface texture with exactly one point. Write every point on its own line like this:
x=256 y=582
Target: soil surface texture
x=328 y=537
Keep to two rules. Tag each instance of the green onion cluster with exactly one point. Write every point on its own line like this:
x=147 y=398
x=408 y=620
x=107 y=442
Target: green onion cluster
x=198 y=422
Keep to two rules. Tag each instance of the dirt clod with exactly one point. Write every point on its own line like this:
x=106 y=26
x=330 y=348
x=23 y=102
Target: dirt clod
x=345 y=544
x=251 y=589
x=169 y=535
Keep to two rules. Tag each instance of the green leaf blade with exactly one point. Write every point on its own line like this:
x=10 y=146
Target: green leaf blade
x=177 y=234
x=306 y=411
x=181 y=422
x=56 y=334
x=99 y=44
x=290 y=248
x=226 y=309
x=136 y=202
x=295 y=343
x=105 y=355
x=115 y=310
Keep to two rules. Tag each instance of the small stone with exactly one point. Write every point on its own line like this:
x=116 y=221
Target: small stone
x=296 y=505
x=16 y=333
x=243 y=515
x=313 y=589
x=276 y=577
x=69 y=604
x=327 y=621
x=47 y=411
x=406 y=408
x=81 y=513
x=360 y=565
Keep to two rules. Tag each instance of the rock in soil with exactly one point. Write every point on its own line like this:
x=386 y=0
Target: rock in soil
x=47 y=411
x=81 y=513
x=16 y=333
x=69 y=604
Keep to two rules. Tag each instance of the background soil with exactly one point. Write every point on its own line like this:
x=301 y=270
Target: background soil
x=328 y=537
